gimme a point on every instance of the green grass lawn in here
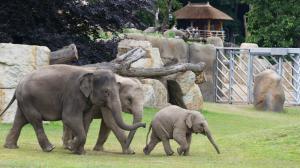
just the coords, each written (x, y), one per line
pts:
(246, 138)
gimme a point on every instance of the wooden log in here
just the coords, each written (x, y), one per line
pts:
(121, 66)
(149, 72)
(65, 55)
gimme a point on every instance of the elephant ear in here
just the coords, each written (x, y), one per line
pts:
(85, 83)
(189, 120)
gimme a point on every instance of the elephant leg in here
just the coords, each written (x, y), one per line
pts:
(180, 138)
(119, 133)
(35, 119)
(14, 133)
(77, 128)
(67, 136)
(102, 137)
(153, 142)
(167, 147)
(189, 140)
(87, 119)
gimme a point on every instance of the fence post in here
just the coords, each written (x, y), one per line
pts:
(231, 75)
(215, 78)
(279, 71)
(296, 73)
(250, 77)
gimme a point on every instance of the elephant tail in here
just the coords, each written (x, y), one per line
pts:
(9, 104)
(148, 133)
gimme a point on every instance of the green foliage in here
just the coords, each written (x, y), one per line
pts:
(167, 7)
(171, 34)
(246, 137)
(274, 23)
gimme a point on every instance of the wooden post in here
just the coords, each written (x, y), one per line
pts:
(221, 25)
(208, 29)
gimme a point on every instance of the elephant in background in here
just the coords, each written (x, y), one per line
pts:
(67, 93)
(132, 100)
(176, 123)
(268, 91)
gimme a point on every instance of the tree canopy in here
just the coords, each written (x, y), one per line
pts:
(274, 23)
(56, 23)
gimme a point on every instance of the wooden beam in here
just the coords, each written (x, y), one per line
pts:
(65, 55)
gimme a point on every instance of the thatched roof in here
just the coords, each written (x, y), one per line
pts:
(201, 11)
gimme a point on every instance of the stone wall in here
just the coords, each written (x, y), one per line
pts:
(15, 62)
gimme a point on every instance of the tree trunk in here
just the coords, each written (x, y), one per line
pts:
(121, 66)
(65, 55)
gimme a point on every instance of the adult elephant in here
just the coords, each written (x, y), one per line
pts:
(67, 93)
(132, 100)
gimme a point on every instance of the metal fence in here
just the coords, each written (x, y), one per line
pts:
(236, 68)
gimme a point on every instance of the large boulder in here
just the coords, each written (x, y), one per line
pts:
(184, 92)
(216, 41)
(18, 60)
(268, 91)
(171, 50)
(15, 62)
(155, 93)
(207, 54)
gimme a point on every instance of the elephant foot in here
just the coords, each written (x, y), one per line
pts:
(70, 145)
(79, 152)
(170, 153)
(181, 151)
(10, 146)
(146, 151)
(186, 154)
(98, 148)
(48, 148)
(66, 145)
(128, 151)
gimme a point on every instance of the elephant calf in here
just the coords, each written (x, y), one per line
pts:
(176, 123)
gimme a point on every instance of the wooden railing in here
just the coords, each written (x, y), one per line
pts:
(200, 35)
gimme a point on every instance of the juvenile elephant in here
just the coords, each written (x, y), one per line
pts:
(176, 123)
(131, 96)
(67, 93)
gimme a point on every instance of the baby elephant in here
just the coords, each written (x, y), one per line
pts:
(176, 123)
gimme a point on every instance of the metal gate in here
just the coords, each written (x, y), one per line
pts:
(236, 68)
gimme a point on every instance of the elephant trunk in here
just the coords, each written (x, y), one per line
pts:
(208, 134)
(116, 112)
(136, 119)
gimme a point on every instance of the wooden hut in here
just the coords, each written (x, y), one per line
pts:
(201, 20)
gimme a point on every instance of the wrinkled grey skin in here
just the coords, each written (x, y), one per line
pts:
(131, 97)
(176, 123)
(67, 93)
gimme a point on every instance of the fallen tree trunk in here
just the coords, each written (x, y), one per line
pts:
(65, 55)
(121, 66)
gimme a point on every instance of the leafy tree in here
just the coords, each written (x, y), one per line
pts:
(166, 8)
(274, 23)
(56, 23)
